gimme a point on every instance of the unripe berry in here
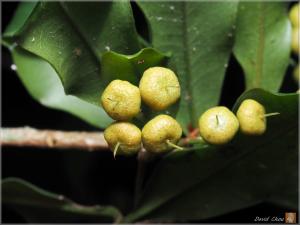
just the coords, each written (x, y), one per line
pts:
(121, 100)
(251, 116)
(218, 125)
(294, 15)
(161, 134)
(159, 88)
(295, 40)
(123, 138)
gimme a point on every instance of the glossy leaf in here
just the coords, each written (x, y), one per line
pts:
(199, 36)
(49, 46)
(64, 35)
(212, 181)
(130, 67)
(21, 15)
(38, 206)
(43, 84)
(262, 43)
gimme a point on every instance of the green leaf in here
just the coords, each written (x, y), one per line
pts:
(262, 43)
(199, 36)
(72, 37)
(38, 206)
(211, 181)
(43, 84)
(36, 56)
(20, 16)
(130, 67)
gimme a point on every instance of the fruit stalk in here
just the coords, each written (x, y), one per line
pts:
(271, 114)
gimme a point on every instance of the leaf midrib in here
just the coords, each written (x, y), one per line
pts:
(261, 46)
(186, 59)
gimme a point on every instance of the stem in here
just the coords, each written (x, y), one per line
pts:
(143, 159)
(271, 114)
(139, 181)
(217, 118)
(54, 139)
(174, 146)
(116, 149)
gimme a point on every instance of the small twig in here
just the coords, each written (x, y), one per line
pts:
(30, 137)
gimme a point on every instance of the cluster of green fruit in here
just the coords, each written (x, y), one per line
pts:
(294, 18)
(159, 88)
(219, 125)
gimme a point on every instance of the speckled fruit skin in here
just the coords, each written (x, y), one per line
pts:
(294, 15)
(127, 134)
(218, 125)
(159, 88)
(295, 40)
(251, 116)
(121, 100)
(157, 131)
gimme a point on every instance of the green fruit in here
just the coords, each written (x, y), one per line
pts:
(159, 88)
(251, 116)
(123, 138)
(161, 134)
(295, 40)
(121, 100)
(218, 125)
(294, 15)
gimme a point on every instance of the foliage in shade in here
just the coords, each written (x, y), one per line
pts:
(262, 43)
(38, 205)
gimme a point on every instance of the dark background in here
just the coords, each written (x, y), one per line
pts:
(88, 178)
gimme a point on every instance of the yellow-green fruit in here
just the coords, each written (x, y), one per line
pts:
(296, 73)
(159, 132)
(121, 100)
(218, 125)
(295, 40)
(159, 88)
(251, 116)
(294, 15)
(127, 136)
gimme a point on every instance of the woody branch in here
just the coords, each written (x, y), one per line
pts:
(30, 137)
